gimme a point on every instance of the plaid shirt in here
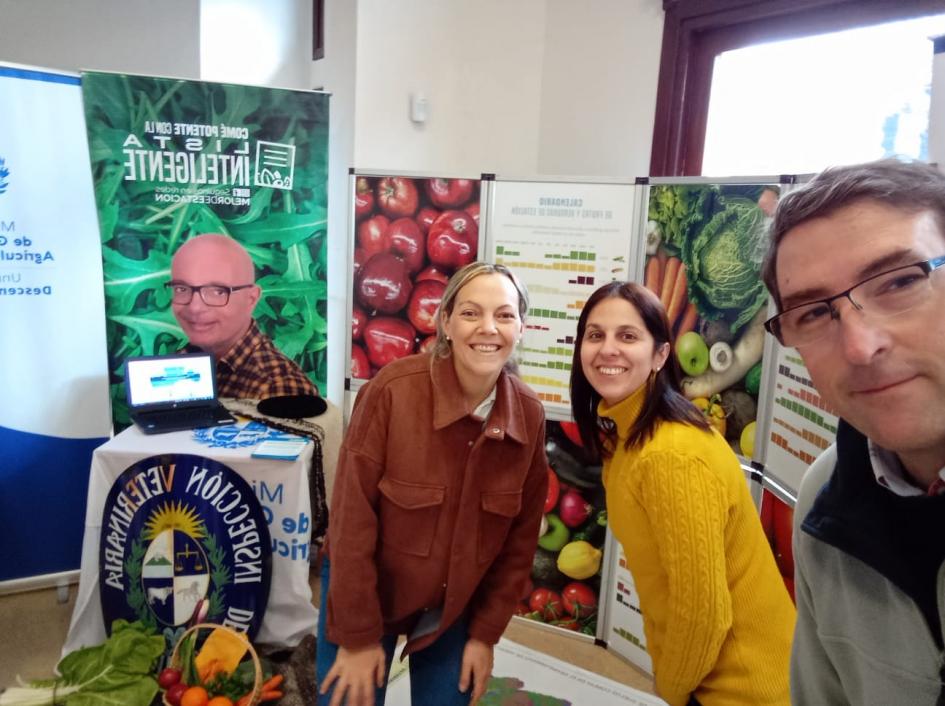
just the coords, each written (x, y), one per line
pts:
(254, 368)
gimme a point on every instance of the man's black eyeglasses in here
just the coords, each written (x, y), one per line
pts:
(891, 292)
(211, 294)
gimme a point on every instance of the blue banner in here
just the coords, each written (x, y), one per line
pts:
(53, 376)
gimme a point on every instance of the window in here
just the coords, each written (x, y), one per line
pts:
(697, 31)
(801, 105)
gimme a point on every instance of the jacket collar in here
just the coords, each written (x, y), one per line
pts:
(449, 405)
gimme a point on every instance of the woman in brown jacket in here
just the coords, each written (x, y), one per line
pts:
(436, 508)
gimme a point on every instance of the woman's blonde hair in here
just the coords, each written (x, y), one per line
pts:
(459, 280)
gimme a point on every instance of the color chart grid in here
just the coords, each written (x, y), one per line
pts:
(802, 424)
(559, 278)
(563, 240)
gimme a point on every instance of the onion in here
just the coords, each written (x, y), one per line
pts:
(574, 509)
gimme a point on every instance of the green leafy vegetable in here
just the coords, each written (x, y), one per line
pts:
(723, 262)
(680, 210)
(117, 672)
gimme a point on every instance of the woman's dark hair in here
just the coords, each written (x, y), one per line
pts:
(664, 401)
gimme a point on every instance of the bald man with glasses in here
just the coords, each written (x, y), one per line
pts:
(213, 294)
(855, 268)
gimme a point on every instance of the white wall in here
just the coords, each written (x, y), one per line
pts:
(478, 64)
(131, 36)
(335, 73)
(937, 110)
(599, 82)
(252, 42)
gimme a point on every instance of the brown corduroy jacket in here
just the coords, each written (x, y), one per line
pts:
(432, 509)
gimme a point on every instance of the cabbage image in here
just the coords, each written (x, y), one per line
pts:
(680, 210)
(723, 262)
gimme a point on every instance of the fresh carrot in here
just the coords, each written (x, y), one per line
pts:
(274, 682)
(688, 321)
(270, 695)
(653, 271)
(678, 296)
(669, 279)
(245, 700)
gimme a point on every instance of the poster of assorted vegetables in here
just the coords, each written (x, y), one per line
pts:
(410, 235)
(705, 244)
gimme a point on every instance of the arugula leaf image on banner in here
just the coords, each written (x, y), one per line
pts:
(145, 214)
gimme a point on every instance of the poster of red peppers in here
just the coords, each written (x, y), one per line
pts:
(411, 234)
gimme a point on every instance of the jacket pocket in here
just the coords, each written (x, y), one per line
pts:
(408, 515)
(495, 519)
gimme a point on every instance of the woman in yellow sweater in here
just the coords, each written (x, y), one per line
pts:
(717, 617)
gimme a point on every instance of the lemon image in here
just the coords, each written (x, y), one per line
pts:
(747, 440)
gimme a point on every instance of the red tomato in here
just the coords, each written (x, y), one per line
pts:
(363, 198)
(360, 367)
(358, 319)
(453, 239)
(570, 430)
(388, 338)
(449, 193)
(767, 515)
(425, 218)
(168, 677)
(397, 196)
(783, 553)
(473, 210)
(407, 242)
(383, 284)
(434, 273)
(175, 692)
(554, 489)
(567, 624)
(546, 602)
(372, 235)
(579, 600)
(424, 301)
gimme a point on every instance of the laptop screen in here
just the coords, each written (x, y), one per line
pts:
(169, 380)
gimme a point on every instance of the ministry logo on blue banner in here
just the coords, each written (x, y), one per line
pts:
(184, 540)
(4, 173)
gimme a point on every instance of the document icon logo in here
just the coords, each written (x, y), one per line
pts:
(275, 164)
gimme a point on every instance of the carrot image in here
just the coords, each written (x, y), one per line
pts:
(653, 271)
(688, 321)
(669, 279)
(677, 297)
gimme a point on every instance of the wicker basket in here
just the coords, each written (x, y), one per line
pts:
(176, 664)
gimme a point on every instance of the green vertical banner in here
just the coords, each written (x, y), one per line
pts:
(172, 159)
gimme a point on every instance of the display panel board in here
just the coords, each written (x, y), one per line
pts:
(705, 243)
(801, 423)
(623, 619)
(564, 240)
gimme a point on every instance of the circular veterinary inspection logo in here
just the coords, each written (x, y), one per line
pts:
(184, 539)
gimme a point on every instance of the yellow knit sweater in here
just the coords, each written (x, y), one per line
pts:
(717, 617)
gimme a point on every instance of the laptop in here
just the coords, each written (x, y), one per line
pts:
(173, 392)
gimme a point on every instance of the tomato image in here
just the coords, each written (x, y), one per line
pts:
(410, 236)
(579, 600)
(449, 193)
(546, 602)
(397, 196)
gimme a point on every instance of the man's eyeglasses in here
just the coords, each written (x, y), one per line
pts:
(211, 294)
(888, 293)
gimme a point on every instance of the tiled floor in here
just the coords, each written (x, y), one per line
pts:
(33, 627)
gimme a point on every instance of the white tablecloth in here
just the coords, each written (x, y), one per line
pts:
(282, 488)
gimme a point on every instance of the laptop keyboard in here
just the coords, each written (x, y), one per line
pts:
(181, 419)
